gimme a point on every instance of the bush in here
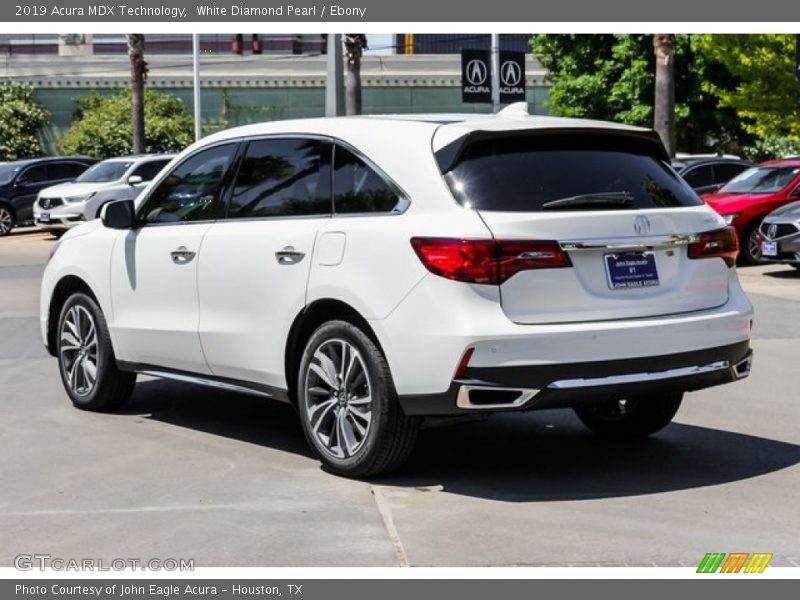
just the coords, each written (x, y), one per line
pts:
(773, 147)
(21, 118)
(104, 129)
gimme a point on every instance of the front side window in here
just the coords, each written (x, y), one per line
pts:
(281, 177)
(191, 192)
(357, 188)
(37, 174)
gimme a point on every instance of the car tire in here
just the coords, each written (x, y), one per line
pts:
(749, 252)
(631, 418)
(7, 220)
(348, 405)
(86, 359)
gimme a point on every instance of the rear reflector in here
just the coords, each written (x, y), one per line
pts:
(721, 243)
(487, 261)
(463, 363)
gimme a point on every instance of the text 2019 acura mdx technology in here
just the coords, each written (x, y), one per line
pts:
(376, 270)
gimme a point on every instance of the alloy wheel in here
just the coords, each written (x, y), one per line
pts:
(338, 398)
(78, 350)
(753, 247)
(6, 221)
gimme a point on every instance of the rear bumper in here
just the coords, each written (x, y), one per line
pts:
(531, 387)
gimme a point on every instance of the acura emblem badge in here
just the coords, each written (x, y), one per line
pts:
(641, 225)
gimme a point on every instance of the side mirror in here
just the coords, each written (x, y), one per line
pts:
(135, 179)
(795, 193)
(118, 214)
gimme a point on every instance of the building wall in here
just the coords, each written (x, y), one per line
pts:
(228, 107)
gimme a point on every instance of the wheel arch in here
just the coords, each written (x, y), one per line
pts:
(66, 286)
(306, 322)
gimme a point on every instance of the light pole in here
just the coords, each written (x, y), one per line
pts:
(198, 124)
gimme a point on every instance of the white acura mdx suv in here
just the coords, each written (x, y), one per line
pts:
(376, 270)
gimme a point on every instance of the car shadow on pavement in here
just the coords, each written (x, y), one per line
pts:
(790, 273)
(549, 456)
(236, 416)
(523, 457)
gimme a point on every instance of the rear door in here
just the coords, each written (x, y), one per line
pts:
(255, 262)
(623, 216)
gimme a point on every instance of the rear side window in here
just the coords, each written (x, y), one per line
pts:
(699, 176)
(65, 170)
(280, 178)
(597, 172)
(726, 171)
(358, 188)
(147, 171)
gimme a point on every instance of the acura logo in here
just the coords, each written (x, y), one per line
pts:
(773, 229)
(511, 73)
(476, 72)
(641, 225)
(46, 203)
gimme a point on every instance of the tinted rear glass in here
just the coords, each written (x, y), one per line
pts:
(522, 174)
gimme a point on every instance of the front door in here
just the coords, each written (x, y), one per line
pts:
(154, 267)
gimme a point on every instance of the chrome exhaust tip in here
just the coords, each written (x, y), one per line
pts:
(742, 369)
(475, 397)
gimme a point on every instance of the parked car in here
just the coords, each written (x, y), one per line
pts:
(22, 180)
(707, 174)
(68, 204)
(780, 235)
(745, 200)
(375, 270)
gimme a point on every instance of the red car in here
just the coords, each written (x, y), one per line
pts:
(750, 196)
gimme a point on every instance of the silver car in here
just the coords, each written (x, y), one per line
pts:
(62, 206)
(780, 235)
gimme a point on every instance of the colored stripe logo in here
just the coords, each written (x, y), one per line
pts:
(736, 562)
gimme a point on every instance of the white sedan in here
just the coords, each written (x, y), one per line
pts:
(66, 205)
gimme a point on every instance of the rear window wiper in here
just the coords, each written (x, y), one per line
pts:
(599, 198)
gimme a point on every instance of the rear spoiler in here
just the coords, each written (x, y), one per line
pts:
(448, 156)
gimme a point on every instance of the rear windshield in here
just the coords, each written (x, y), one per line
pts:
(569, 172)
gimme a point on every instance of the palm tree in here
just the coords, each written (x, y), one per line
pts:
(664, 110)
(138, 78)
(354, 45)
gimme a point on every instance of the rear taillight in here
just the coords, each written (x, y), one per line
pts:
(721, 243)
(487, 261)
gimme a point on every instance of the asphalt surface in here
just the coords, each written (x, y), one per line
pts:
(186, 472)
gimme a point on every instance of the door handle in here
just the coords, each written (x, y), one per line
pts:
(181, 255)
(289, 256)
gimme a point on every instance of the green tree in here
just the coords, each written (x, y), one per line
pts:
(103, 127)
(21, 119)
(766, 94)
(612, 77)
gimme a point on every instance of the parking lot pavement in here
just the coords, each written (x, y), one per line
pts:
(227, 480)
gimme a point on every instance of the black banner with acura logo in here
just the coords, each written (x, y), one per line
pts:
(476, 76)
